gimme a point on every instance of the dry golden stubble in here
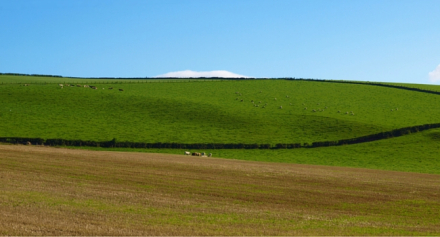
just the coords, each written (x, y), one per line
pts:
(54, 191)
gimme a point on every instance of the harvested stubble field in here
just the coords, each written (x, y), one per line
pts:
(417, 152)
(55, 191)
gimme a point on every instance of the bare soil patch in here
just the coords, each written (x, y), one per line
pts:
(55, 191)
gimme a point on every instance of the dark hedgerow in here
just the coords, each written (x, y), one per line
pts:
(127, 144)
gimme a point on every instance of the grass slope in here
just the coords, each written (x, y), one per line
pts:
(48, 191)
(200, 112)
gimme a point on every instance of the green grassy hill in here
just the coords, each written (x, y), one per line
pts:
(198, 112)
(155, 193)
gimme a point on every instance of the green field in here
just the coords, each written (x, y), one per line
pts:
(195, 112)
(212, 112)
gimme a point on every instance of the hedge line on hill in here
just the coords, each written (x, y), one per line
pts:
(367, 83)
(378, 136)
(113, 143)
(29, 75)
(120, 78)
(387, 85)
(238, 79)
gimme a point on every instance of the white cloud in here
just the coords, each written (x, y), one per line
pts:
(434, 76)
(189, 73)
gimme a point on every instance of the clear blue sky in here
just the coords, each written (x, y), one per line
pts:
(394, 41)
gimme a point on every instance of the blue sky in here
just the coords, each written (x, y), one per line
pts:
(391, 41)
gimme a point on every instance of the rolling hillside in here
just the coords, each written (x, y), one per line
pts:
(198, 112)
(304, 191)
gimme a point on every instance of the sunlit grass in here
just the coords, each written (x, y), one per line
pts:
(205, 112)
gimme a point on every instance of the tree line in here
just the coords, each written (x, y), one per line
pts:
(127, 144)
